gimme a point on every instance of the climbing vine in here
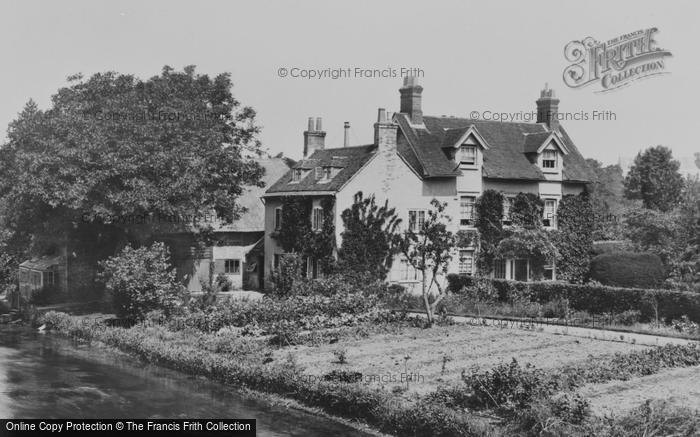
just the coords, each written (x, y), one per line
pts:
(297, 236)
(489, 211)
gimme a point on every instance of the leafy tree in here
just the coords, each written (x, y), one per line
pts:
(428, 250)
(654, 178)
(489, 223)
(607, 199)
(574, 239)
(653, 231)
(142, 280)
(369, 239)
(686, 268)
(527, 210)
(113, 148)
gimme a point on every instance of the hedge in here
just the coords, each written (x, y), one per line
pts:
(595, 299)
(628, 269)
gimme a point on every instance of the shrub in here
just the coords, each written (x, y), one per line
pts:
(653, 418)
(223, 283)
(142, 280)
(506, 387)
(628, 269)
(600, 299)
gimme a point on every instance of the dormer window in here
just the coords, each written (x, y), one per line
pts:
(327, 173)
(296, 175)
(467, 154)
(549, 159)
(318, 173)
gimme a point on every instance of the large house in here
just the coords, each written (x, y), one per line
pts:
(415, 158)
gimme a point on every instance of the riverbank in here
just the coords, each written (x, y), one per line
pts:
(343, 388)
(51, 376)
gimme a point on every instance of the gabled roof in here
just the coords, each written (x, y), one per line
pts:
(349, 160)
(535, 143)
(505, 157)
(253, 220)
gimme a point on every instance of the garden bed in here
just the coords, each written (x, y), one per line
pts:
(438, 355)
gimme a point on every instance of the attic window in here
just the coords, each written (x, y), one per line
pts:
(296, 175)
(327, 173)
(467, 155)
(318, 173)
(549, 159)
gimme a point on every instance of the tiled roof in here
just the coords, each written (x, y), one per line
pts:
(504, 159)
(532, 142)
(253, 220)
(351, 158)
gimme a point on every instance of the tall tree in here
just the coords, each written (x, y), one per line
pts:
(427, 249)
(114, 155)
(369, 239)
(654, 178)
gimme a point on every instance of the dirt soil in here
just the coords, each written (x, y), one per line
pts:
(679, 387)
(381, 358)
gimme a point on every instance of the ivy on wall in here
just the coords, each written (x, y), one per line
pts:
(297, 236)
(489, 211)
(527, 210)
(574, 239)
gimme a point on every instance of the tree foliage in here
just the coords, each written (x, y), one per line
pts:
(369, 238)
(142, 280)
(574, 239)
(428, 250)
(607, 199)
(113, 147)
(489, 223)
(654, 178)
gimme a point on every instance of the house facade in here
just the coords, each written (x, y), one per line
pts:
(237, 250)
(416, 158)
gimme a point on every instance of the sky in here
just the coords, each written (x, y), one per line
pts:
(480, 56)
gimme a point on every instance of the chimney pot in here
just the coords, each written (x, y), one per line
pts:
(548, 108)
(314, 137)
(381, 115)
(346, 137)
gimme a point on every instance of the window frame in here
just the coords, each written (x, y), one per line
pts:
(460, 262)
(553, 160)
(297, 174)
(317, 219)
(549, 222)
(462, 154)
(470, 220)
(232, 266)
(417, 224)
(278, 218)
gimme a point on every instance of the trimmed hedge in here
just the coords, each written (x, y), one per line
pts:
(628, 269)
(595, 299)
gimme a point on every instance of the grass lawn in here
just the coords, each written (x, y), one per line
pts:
(439, 354)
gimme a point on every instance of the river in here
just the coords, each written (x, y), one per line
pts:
(44, 376)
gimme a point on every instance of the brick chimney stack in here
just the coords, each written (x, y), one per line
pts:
(314, 137)
(548, 108)
(385, 132)
(411, 99)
